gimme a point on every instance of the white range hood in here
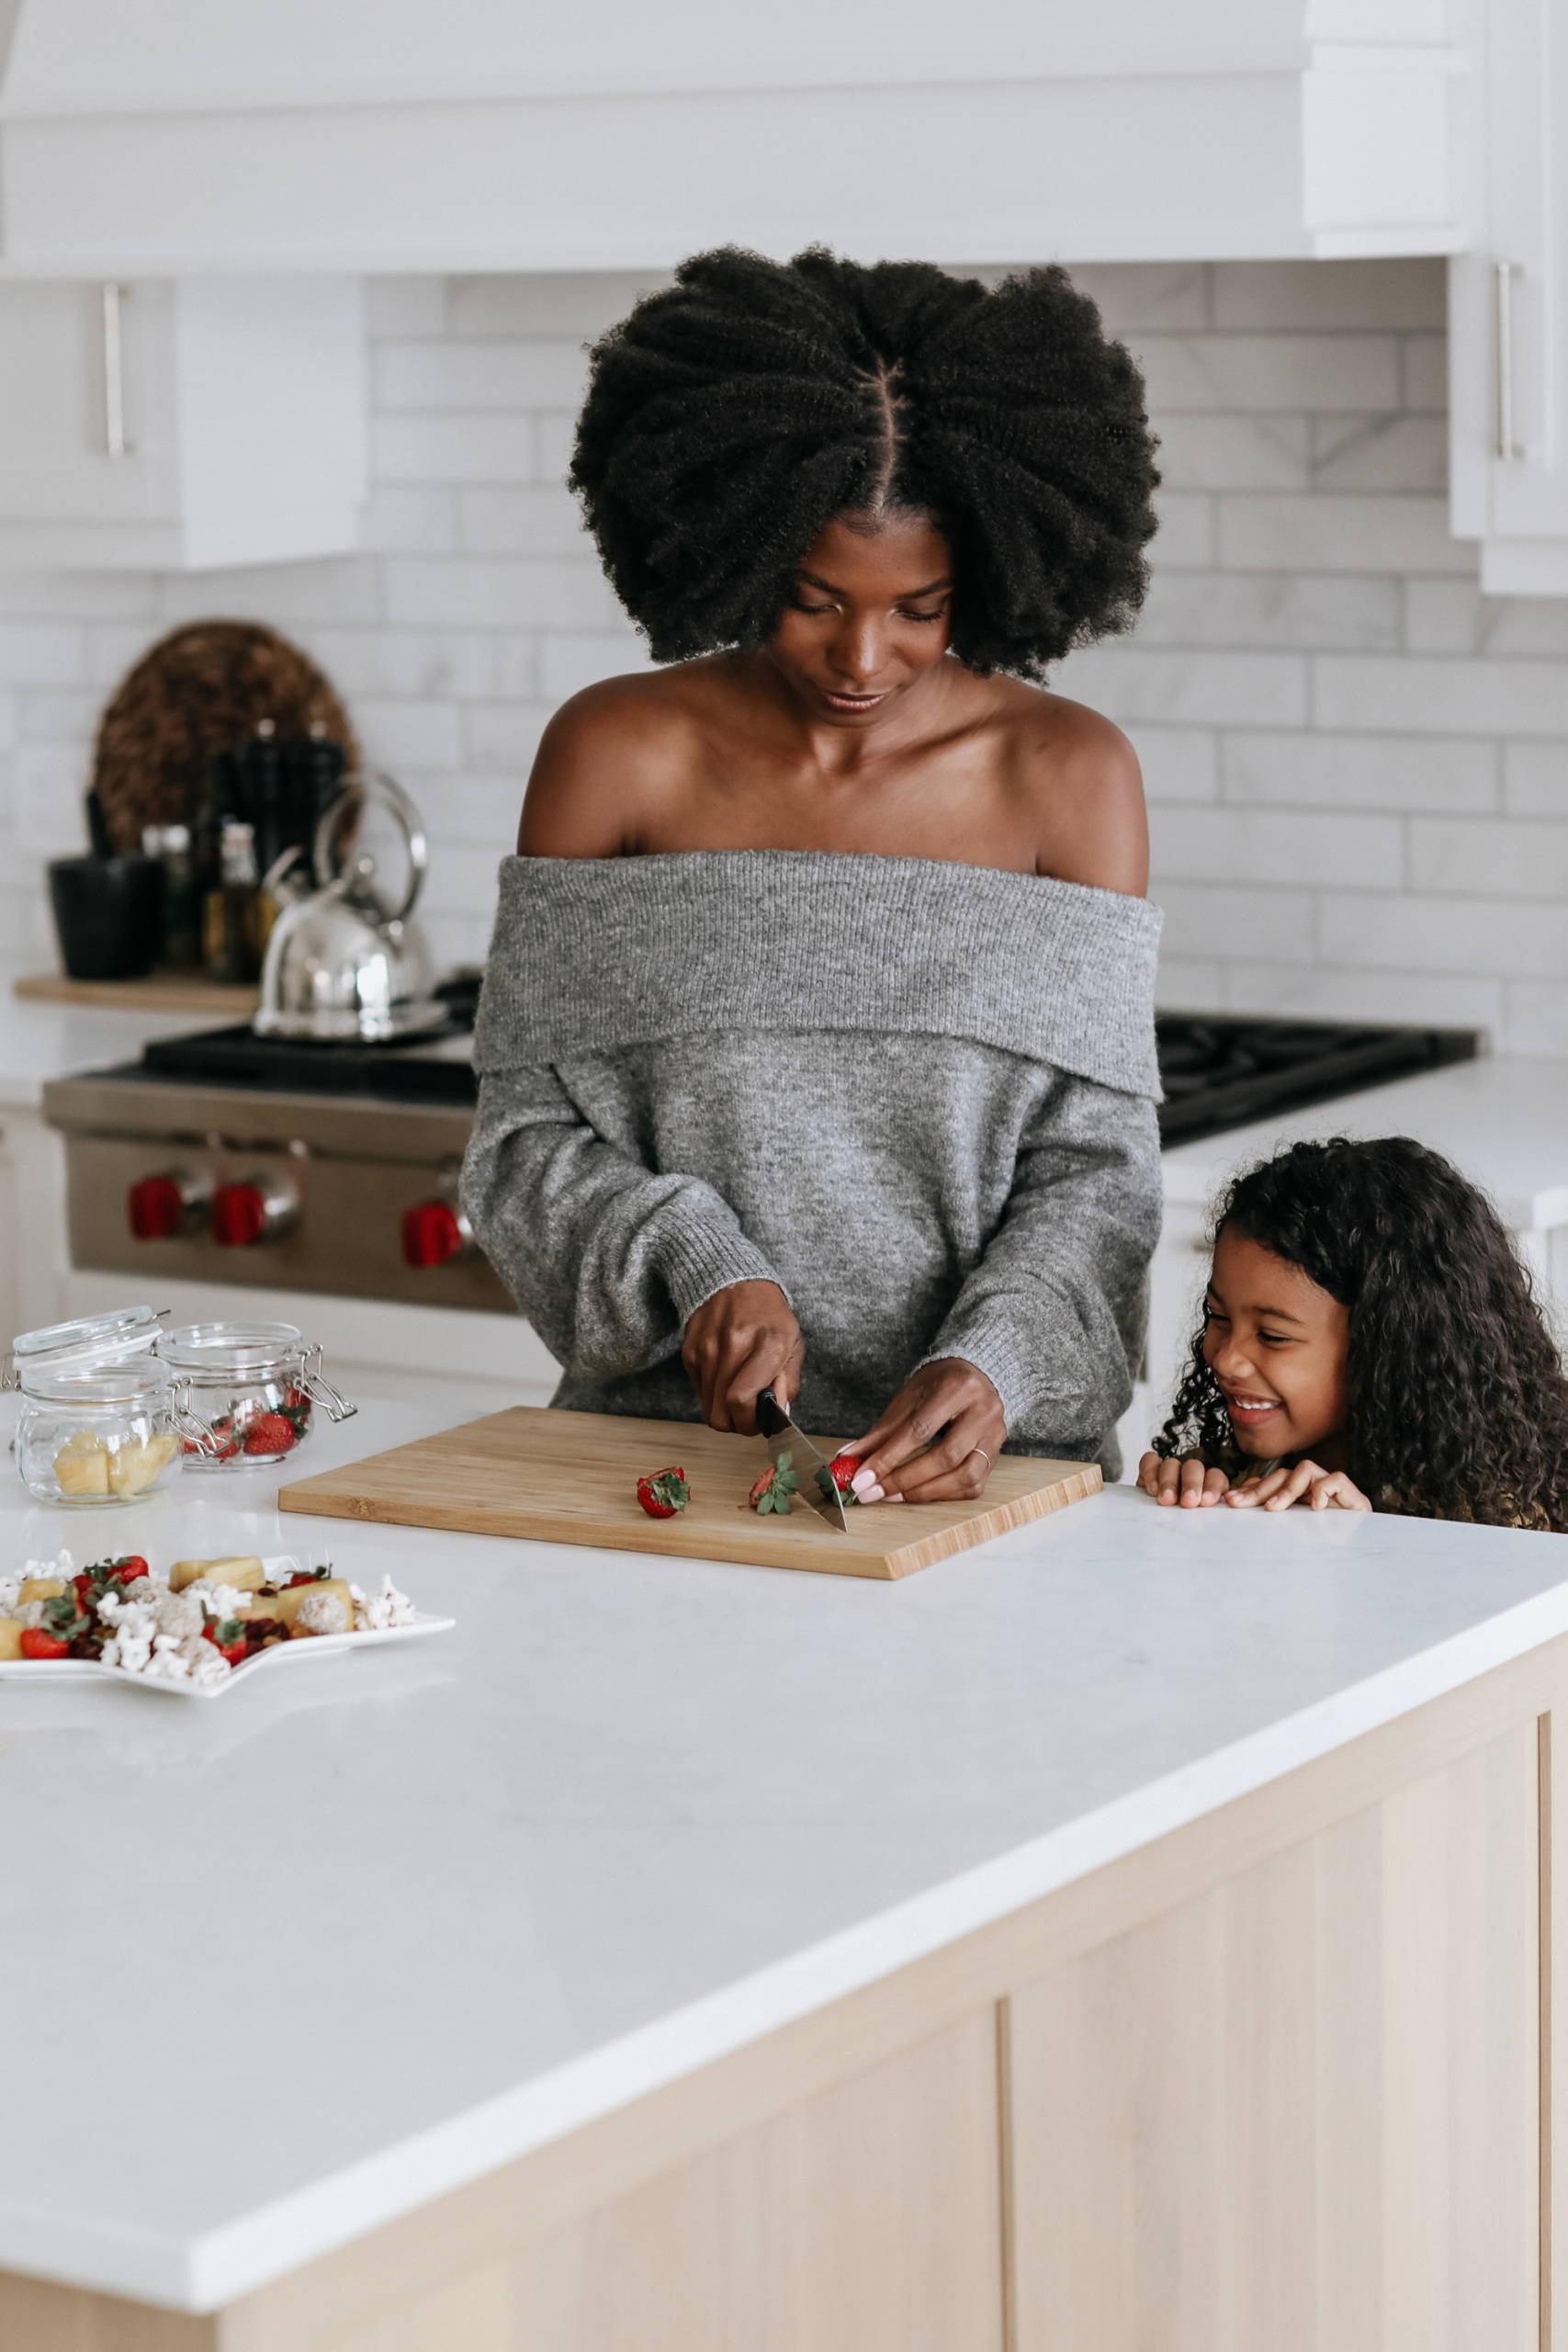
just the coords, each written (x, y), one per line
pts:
(168, 137)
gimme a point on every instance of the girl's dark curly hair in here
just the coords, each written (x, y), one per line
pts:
(731, 416)
(1458, 1407)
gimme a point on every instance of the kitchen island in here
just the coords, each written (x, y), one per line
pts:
(1142, 1931)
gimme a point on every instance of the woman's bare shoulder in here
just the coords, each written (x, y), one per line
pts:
(606, 756)
(1084, 788)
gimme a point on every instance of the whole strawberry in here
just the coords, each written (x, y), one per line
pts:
(774, 1487)
(269, 1434)
(664, 1494)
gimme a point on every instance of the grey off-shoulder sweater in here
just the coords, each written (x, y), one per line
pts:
(917, 1096)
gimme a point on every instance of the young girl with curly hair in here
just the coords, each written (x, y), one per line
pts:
(1370, 1342)
(817, 1045)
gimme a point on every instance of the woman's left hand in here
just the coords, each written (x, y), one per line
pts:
(1323, 1489)
(937, 1441)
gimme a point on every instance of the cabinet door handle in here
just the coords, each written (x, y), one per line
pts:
(1507, 271)
(115, 442)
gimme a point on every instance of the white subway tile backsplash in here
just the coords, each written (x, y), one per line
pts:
(502, 737)
(1424, 383)
(1339, 531)
(1185, 540)
(1379, 453)
(1436, 773)
(1309, 610)
(441, 378)
(43, 653)
(1283, 372)
(1242, 919)
(569, 662)
(1415, 695)
(541, 519)
(453, 448)
(579, 306)
(1343, 993)
(1235, 452)
(1523, 858)
(1264, 846)
(1279, 297)
(1535, 780)
(406, 306)
(1179, 764)
(1172, 296)
(1357, 766)
(404, 734)
(1130, 683)
(1460, 935)
(497, 593)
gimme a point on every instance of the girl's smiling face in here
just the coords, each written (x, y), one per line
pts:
(1278, 1345)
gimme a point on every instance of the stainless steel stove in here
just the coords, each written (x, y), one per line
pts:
(225, 1157)
(230, 1158)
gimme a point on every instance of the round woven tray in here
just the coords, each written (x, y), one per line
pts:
(202, 689)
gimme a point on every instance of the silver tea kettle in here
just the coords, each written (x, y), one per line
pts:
(341, 962)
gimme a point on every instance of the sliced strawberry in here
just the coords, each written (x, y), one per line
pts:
(228, 1638)
(127, 1570)
(270, 1433)
(773, 1491)
(838, 1474)
(36, 1642)
(663, 1494)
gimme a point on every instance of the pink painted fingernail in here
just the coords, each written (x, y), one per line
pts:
(872, 1494)
(863, 1481)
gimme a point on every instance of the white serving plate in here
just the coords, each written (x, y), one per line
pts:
(43, 1671)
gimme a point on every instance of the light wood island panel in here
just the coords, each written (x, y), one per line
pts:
(1282, 2078)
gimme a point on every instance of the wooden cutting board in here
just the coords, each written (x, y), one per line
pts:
(571, 1478)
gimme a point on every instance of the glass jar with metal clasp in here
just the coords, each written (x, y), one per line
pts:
(245, 1393)
(98, 1419)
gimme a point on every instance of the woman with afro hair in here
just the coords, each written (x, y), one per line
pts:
(817, 1045)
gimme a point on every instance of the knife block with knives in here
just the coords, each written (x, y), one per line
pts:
(556, 1477)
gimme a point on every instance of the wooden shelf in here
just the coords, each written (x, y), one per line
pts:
(164, 992)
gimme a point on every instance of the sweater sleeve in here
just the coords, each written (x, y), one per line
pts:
(607, 1259)
(1055, 1312)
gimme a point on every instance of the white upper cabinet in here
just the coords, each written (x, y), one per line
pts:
(159, 137)
(212, 421)
(1509, 306)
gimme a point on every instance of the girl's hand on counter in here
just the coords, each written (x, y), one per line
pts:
(937, 1441)
(1322, 1489)
(1187, 1483)
(739, 1342)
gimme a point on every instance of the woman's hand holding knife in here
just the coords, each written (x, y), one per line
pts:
(739, 1342)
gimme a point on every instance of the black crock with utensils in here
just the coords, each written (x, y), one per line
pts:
(108, 909)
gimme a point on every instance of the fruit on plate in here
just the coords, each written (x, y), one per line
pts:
(11, 1631)
(663, 1494)
(140, 1463)
(838, 1474)
(37, 1642)
(774, 1487)
(42, 1588)
(245, 1572)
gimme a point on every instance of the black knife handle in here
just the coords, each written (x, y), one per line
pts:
(771, 1418)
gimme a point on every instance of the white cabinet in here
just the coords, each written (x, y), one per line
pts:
(181, 422)
(1508, 304)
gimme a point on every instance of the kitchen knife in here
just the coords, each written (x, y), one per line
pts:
(784, 1439)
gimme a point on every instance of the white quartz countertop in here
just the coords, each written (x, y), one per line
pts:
(284, 1965)
(39, 1041)
(1502, 1121)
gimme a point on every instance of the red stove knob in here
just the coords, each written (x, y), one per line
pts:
(259, 1209)
(157, 1209)
(168, 1204)
(433, 1232)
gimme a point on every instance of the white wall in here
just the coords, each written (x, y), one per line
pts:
(1358, 767)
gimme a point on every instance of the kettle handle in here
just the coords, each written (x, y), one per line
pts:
(357, 787)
